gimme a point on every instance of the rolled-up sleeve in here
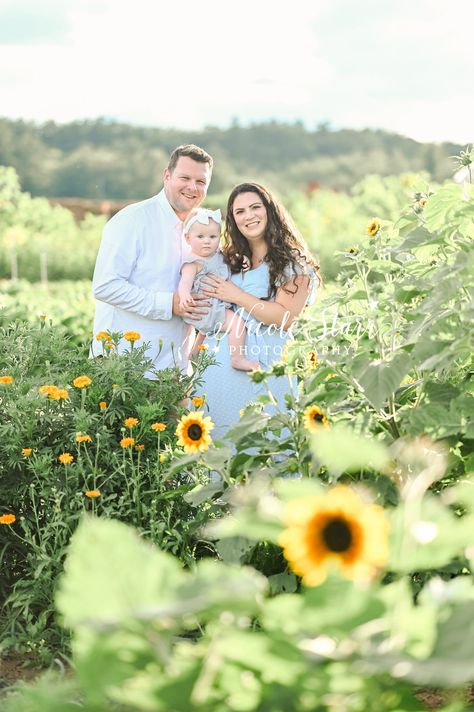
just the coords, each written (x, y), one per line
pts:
(116, 261)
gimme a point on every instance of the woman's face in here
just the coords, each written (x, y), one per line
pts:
(250, 216)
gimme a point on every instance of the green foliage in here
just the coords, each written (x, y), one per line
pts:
(48, 497)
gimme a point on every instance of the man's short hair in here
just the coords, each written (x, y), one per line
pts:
(191, 151)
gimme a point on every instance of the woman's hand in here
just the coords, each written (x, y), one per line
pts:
(223, 289)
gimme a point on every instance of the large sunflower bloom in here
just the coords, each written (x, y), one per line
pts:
(314, 418)
(193, 432)
(336, 529)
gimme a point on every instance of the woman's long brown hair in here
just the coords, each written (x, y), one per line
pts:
(286, 247)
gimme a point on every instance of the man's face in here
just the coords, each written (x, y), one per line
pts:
(187, 185)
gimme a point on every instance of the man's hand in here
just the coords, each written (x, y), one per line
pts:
(195, 311)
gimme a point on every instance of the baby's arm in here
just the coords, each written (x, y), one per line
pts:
(188, 273)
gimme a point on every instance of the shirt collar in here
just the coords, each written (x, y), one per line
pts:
(168, 210)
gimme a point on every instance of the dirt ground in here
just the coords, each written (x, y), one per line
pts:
(15, 667)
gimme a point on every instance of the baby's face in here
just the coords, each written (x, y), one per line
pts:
(204, 239)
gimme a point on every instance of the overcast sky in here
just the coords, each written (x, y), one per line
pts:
(402, 65)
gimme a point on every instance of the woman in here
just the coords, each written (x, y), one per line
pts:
(273, 278)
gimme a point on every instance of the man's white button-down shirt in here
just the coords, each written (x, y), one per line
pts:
(136, 273)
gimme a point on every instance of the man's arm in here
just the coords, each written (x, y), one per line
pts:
(117, 256)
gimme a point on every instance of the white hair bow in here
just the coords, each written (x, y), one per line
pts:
(203, 215)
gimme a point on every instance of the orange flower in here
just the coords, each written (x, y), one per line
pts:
(27, 451)
(92, 493)
(132, 336)
(203, 347)
(102, 405)
(80, 438)
(158, 427)
(130, 422)
(82, 382)
(53, 392)
(7, 380)
(127, 442)
(103, 336)
(139, 447)
(7, 519)
(198, 401)
(65, 458)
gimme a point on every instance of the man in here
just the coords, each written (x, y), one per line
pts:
(138, 264)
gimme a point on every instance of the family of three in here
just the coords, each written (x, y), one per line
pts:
(162, 271)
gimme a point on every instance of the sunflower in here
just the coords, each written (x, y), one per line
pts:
(130, 422)
(336, 529)
(193, 432)
(373, 227)
(82, 382)
(314, 418)
(132, 336)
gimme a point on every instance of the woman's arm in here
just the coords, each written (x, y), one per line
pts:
(281, 312)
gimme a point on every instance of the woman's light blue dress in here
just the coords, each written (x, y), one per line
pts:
(228, 390)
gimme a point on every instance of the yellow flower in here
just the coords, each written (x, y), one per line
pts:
(132, 336)
(130, 422)
(27, 451)
(423, 201)
(7, 519)
(193, 432)
(373, 227)
(47, 389)
(103, 336)
(80, 438)
(140, 447)
(42, 316)
(115, 385)
(330, 375)
(203, 347)
(162, 457)
(314, 418)
(92, 493)
(336, 529)
(102, 405)
(109, 345)
(127, 442)
(65, 458)
(312, 359)
(198, 401)
(241, 412)
(82, 382)
(6, 379)
(61, 393)
(158, 427)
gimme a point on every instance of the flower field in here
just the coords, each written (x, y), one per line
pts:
(320, 559)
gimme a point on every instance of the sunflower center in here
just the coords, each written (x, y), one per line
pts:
(318, 416)
(194, 432)
(337, 535)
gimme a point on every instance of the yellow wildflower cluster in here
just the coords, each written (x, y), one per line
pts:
(158, 427)
(132, 336)
(127, 442)
(82, 382)
(53, 392)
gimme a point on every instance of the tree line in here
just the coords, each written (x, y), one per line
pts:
(103, 159)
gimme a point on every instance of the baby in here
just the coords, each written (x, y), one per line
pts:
(202, 232)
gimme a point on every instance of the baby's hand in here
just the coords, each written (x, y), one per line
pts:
(245, 263)
(186, 301)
